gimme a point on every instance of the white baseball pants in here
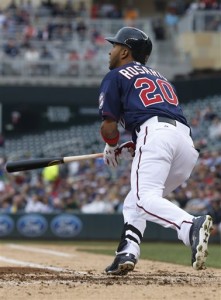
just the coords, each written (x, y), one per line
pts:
(164, 159)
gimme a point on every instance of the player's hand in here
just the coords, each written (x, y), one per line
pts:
(126, 150)
(111, 158)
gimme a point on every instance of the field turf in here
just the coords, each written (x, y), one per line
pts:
(165, 252)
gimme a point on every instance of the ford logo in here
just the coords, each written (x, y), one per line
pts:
(6, 225)
(32, 225)
(66, 226)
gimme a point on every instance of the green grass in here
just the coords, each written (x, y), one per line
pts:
(176, 253)
(165, 252)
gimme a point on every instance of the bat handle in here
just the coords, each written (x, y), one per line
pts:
(68, 159)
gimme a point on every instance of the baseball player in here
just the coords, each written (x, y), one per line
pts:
(145, 103)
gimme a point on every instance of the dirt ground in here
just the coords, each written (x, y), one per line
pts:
(60, 272)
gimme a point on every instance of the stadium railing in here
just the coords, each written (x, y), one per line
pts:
(18, 70)
(169, 56)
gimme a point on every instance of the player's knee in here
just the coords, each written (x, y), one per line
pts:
(147, 201)
(149, 196)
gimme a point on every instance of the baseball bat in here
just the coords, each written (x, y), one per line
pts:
(31, 164)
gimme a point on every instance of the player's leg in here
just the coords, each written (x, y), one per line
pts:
(180, 171)
(150, 170)
(147, 179)
(128, 250)
(162, 166)
(150, 177)
(195, 234)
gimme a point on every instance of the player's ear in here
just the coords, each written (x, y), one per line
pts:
(125, 52)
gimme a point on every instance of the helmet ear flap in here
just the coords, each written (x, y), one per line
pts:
(149, 46)
(141, 50)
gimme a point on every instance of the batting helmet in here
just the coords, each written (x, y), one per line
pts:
(135, 39)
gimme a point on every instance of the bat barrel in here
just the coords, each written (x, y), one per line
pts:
(24, 165)
(31, 164)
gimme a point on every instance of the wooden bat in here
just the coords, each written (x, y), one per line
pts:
(31, 164)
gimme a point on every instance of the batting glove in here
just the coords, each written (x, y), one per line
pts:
(126, 150)
(110, 156)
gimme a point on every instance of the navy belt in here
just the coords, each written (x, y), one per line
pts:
(170, 121)
(167, 120)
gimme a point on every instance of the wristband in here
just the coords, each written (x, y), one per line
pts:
(112, 141)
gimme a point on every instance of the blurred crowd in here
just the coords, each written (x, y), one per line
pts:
(56, 39)
(88, 187)
(206, 127)
(41, 36)
(55, 31)
(92, 187)
(166, 25)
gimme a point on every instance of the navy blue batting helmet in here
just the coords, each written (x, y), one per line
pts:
(135, 39)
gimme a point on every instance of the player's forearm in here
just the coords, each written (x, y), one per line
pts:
(109, 132)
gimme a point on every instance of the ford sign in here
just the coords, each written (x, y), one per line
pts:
(6, 225)
(32, 225)
(66, 226)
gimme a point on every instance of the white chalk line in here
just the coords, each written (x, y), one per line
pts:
(39, 250)
(32, 265)
(36, 265)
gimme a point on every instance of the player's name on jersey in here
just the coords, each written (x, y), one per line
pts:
(131, 71)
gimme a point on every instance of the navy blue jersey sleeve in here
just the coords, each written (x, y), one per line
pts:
(110, 98)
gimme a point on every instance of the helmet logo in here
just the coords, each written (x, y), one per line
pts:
(131, 39)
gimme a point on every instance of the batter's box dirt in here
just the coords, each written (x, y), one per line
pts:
(26, 275)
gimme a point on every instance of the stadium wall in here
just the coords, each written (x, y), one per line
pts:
(68, 226)
(188, 89)
(44, 108)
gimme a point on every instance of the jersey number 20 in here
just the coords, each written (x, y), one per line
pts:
(164, 86)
